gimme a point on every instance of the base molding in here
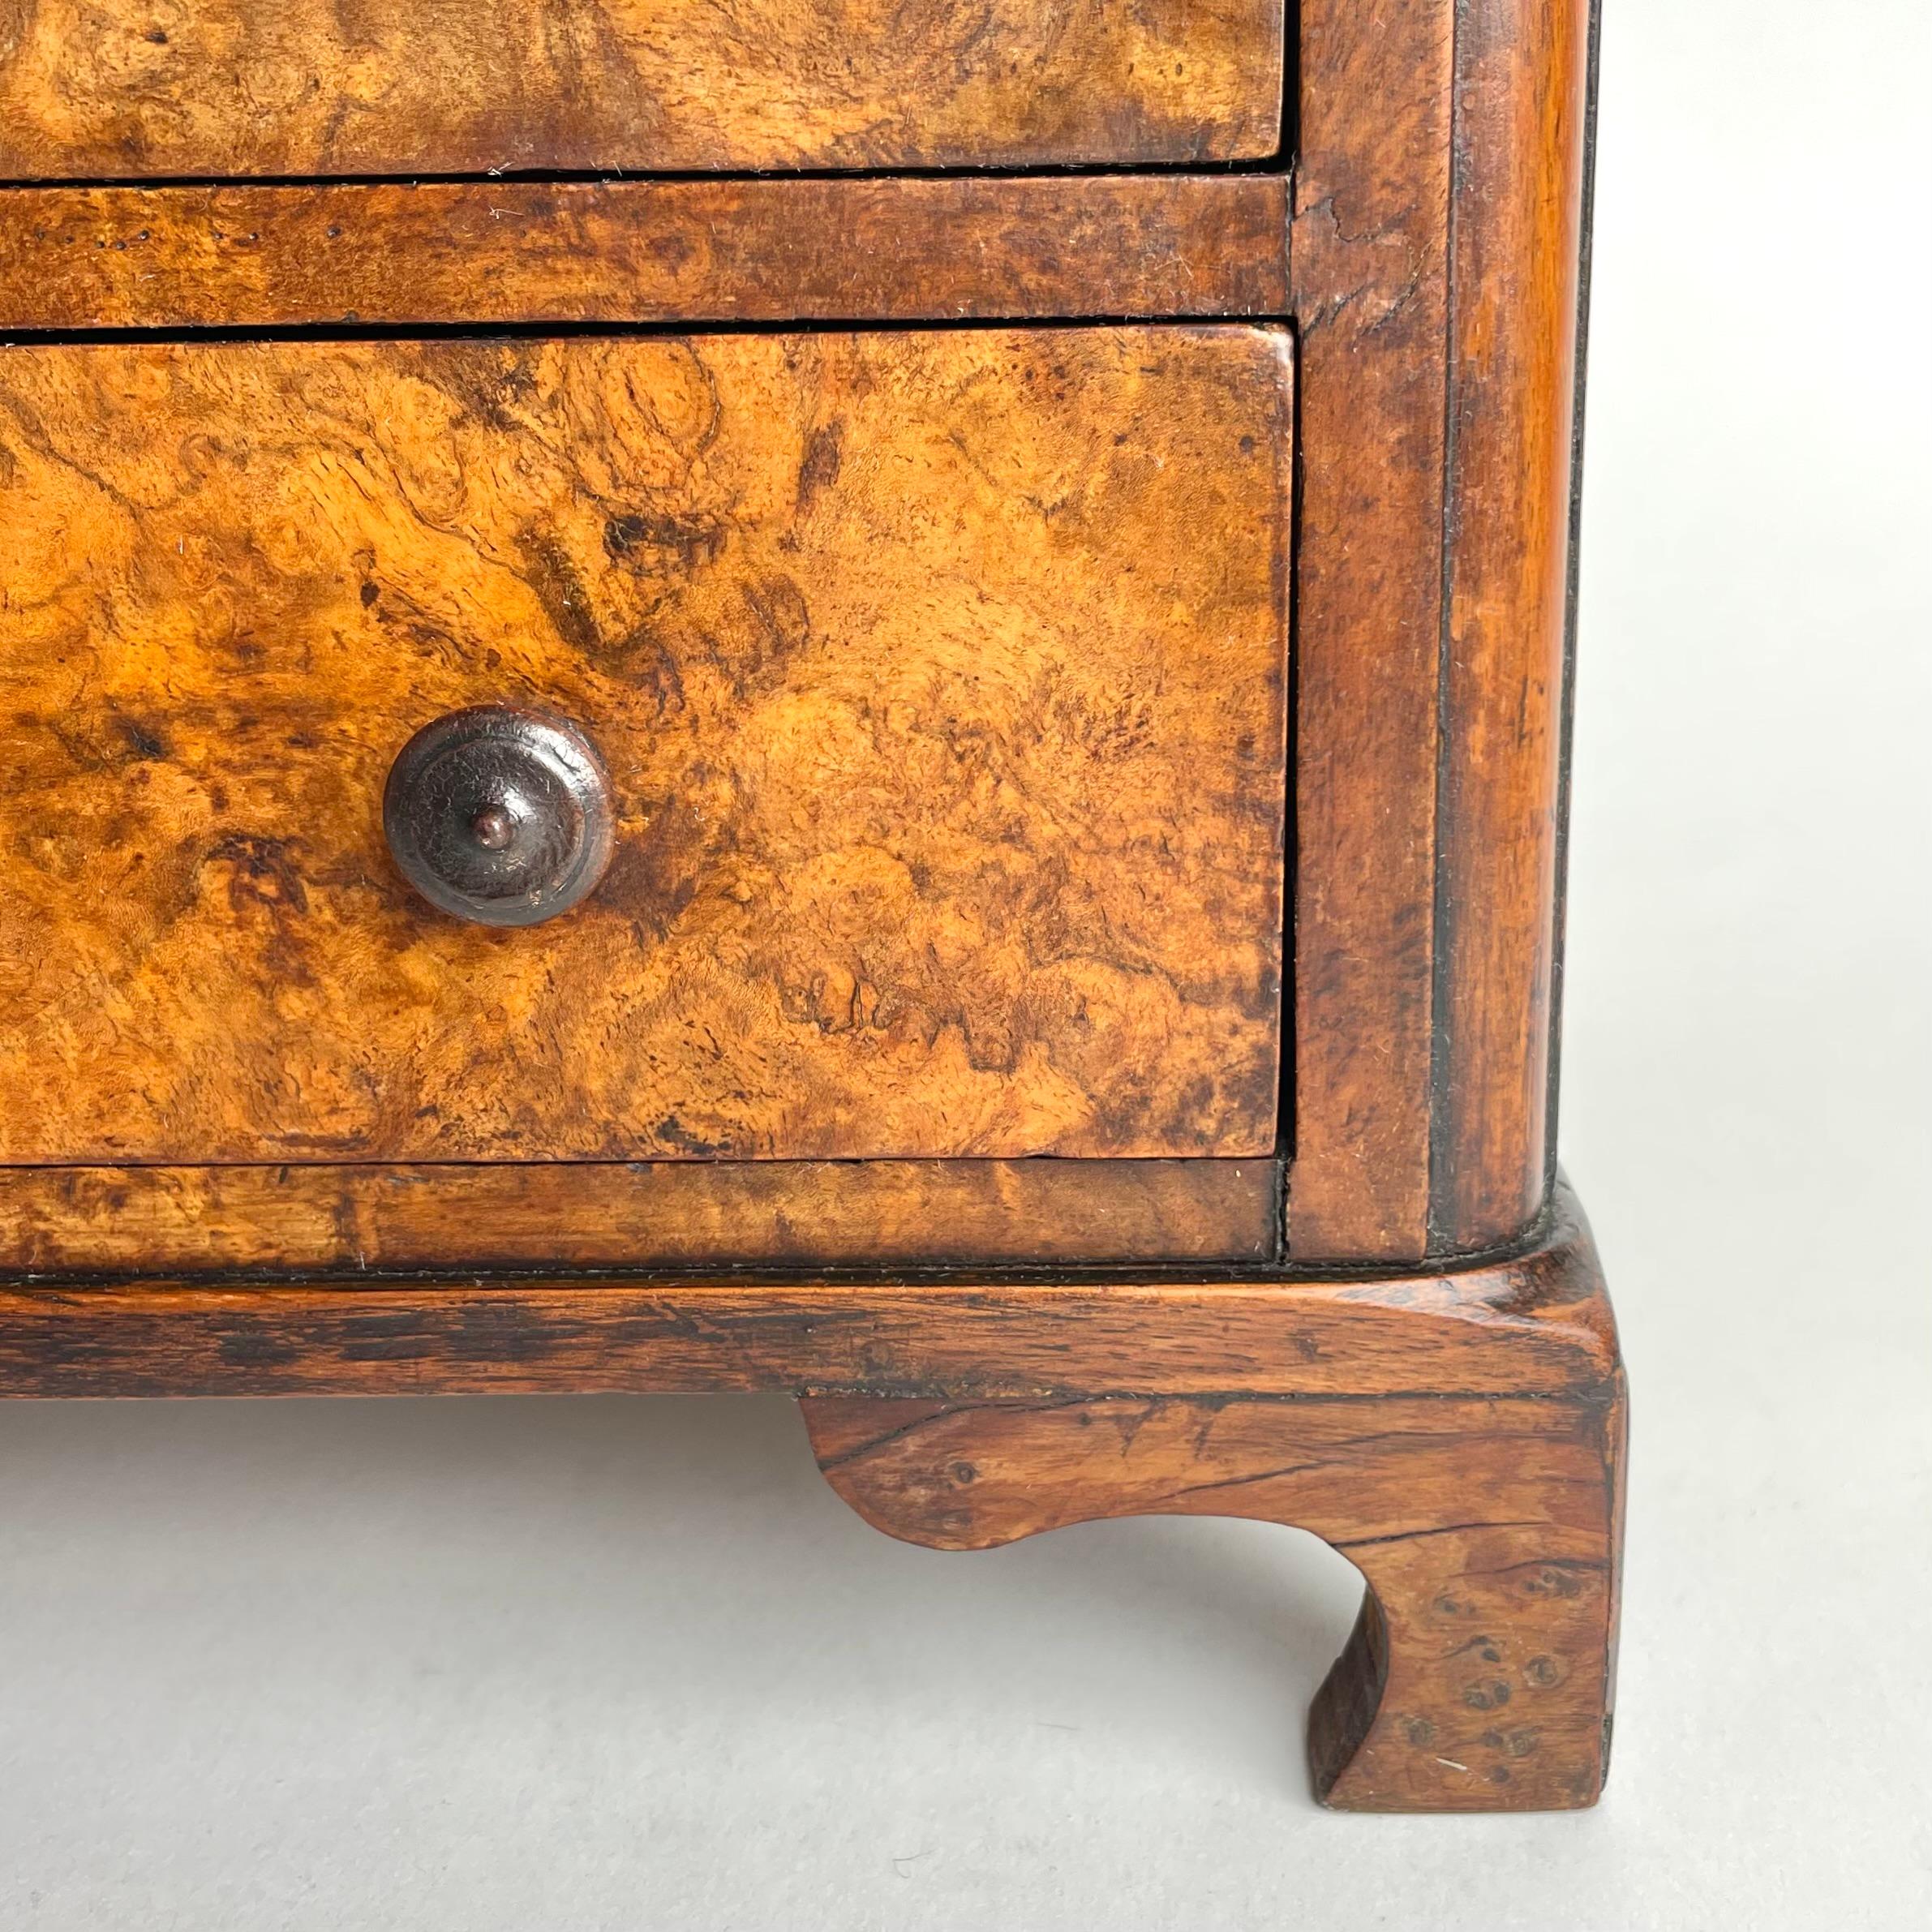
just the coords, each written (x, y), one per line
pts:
(1535, 1323)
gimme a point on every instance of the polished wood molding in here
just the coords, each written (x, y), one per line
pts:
(1536, 1324)
(1436, 251)
(530, 253)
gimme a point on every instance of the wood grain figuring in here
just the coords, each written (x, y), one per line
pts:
(1371, 272)
(995, 248)
(121, 89)
(1521, 114)
(1538, 1326)
(1479, 1678)
(940, 677)
(136, 1220)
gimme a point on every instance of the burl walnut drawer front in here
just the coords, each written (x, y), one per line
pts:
(224, 88)
(939, 677)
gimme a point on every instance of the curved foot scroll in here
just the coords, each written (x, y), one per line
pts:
(1480, 1675)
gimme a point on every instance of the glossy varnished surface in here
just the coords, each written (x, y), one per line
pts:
(112, 89)
(940, 678)
(1371, 273)
(782, 249)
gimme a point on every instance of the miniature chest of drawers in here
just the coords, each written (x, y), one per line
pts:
(850, 697)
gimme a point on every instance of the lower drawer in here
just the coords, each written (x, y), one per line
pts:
(939, 677)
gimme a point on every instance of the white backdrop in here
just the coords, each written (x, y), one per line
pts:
(580, 1663)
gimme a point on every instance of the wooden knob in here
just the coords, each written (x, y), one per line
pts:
(499, 815)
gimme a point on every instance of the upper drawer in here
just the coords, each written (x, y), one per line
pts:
(939, 677)
(114, 89)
